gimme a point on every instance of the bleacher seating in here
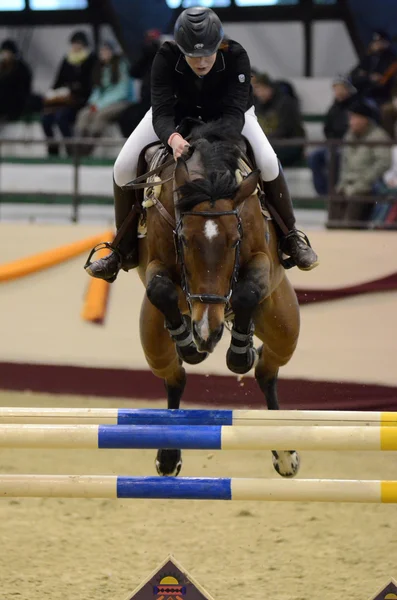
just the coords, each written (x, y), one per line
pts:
(21, 176)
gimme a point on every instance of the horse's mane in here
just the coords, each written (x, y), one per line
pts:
(219, 153)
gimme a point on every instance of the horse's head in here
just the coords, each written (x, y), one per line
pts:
(209, 233)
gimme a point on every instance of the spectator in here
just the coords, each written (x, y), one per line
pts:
(375, 74)
(362, 167)
(70, 92)
(111, 94)
(15, 82)
(389, 113)
(141, 69)
(279, 116)
(335, 127)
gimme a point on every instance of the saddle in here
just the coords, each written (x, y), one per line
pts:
(154, 157)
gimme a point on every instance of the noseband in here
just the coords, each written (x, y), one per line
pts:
(207, 298)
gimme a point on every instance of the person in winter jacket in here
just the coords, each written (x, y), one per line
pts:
(112, 93)
(376, 72)
(70, 91)
(335, 127)
(15, 82)
(362, 166)
(199, 75)
(279, 116)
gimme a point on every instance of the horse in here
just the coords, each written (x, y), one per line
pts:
(209, 253)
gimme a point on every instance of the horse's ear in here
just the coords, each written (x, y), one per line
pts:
(181, 173)
(247, 187)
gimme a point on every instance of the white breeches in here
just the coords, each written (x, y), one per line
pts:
(144, 134)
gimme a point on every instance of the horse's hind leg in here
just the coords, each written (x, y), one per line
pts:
(165, 363)
(286, 462)
(277, 324)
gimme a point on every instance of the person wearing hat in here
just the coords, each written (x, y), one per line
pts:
(70, 91)
(376, 73)
(362, 166)
(111, 94)
(335, 127)
(15, 82)
(279, 116)
(202, 76)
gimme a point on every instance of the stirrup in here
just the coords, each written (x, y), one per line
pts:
(102, 246)
(288, 262)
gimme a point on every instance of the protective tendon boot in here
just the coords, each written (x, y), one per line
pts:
(125, 255)
(294, 243)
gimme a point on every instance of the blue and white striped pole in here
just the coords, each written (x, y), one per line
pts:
(201, 437)
(109, 486)
(156, 416)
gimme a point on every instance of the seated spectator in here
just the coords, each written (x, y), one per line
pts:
(70, 92)
(279, 116)
(389, 114)
(15, 82)
(335, 127)
(111, 94)
(141, 69)
(375, 74)
(362, 166)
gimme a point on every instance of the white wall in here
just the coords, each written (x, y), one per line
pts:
(274, 48)
(333, 51)
(278, 48)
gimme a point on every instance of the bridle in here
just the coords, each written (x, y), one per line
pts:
(207, 298)
(177, 226)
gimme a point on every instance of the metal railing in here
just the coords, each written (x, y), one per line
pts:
(73, 145)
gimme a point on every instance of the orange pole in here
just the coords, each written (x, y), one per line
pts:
(49, 258)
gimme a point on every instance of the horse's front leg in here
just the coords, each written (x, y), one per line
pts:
(163, 294)
(250, 290)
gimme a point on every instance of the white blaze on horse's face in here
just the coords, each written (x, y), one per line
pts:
(210, 230)
(204, 326)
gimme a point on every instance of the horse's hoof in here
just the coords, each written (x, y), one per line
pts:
(241, 363)
(286, 462)
(168, 462)
(190, 355)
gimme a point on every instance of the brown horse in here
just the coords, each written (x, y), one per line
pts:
(209, 250)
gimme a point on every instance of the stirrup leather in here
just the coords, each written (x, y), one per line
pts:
(288, 262)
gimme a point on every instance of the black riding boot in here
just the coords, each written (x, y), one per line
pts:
(293, 242)
(125, 256)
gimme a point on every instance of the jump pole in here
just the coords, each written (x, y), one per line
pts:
(143, 416)
(201, 437)
(110, 486)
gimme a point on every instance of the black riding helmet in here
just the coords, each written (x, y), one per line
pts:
(198, 32)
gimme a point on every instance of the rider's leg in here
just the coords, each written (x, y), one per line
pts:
(277, 192)
(124, 171)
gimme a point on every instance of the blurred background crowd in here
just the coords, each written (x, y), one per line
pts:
(93, 89)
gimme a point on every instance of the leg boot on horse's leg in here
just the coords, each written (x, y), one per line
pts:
(285, 462)
(293, 243)
(125, 256)
(241, 355)
(162, 293)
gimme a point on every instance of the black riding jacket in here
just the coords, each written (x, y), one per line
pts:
(177, 92)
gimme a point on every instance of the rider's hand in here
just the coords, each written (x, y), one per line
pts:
(178, 144)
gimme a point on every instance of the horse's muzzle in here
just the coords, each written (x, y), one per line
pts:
(206, 341)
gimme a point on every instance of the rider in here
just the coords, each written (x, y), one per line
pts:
(203, 76)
